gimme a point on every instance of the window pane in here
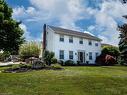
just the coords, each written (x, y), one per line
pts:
(70, 54)
(96, 44)
(97, 54)
(81, 41)
(61, 54)
(70, 39)
(61, 38)
(90, 42)
(90, 55)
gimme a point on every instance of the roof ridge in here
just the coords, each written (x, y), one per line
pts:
(73, 32)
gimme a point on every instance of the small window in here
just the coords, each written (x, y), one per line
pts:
(81, 41)
(61, 38)
(90, 56)
(61, 54)
(96, 54)
(70, 39)
(90, 43)
(96, 44)
(70, 54)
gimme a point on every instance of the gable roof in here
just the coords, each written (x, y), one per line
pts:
(63, 31)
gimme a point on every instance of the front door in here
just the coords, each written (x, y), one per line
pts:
(81, 57)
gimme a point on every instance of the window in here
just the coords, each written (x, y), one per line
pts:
(61, 38)
(81, 41)
(61, 54)
(96, 44)
(70, 54)
(96, 54)
(90, 43)
(70, 39)
(90, 55)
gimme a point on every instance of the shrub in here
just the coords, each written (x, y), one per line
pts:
(69, 63)
(25, 65)
(4, 55)
(56, 66)
(48, 56)
(111, 50)
(61, 62)
(30, 49)
(78, 62)
(105, 60)
(53, 60)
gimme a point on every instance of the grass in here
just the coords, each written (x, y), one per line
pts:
(105, 80)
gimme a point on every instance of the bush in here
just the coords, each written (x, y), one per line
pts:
(48, 56)
(78, 62)
(56, 66)
(61, 62)
(69, 63)
(4, 55)
(25, 65)
(30, 49)
(111, 50)
(53, 60)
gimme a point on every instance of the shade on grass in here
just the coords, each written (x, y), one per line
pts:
(110, 80)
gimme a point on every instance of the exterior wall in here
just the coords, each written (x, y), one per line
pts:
(50, 39)
(53, 44)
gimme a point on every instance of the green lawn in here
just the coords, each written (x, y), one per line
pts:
(110, 80)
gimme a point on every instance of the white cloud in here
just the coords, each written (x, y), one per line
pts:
(106, 19)
(27, 34)
(67, 12)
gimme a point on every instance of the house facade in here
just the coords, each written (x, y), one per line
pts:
(71, 45)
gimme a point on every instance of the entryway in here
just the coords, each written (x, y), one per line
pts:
(81, 56)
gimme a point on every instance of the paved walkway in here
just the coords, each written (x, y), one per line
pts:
(8, 63)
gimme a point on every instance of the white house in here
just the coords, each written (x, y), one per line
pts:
(71, 45)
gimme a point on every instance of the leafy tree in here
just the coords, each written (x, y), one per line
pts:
(123, 43)
(10, 32)
(30, 49)
(111, 50)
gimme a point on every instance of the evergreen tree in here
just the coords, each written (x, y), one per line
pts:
(123, 43)
(10, 32)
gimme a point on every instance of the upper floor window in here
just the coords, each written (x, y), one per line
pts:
(81, 41)
(61, 38)
(70, 54)
(96, 44)
(90, 43)
(90, 56)
(70, 39)
(61, 54)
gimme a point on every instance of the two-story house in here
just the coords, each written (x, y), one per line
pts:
(71, 45)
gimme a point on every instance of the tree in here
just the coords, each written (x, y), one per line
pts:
(10, 32)
(123, 43)
(111, 50)
(30, 49)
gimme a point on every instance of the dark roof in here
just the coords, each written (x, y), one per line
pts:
(59, 30)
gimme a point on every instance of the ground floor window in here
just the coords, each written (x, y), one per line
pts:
(70, 54)
(97, 54)
(90, 56)
(61, 54)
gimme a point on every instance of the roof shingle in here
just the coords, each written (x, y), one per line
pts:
(63, 31)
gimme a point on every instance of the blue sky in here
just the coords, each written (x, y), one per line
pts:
(99, 17)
